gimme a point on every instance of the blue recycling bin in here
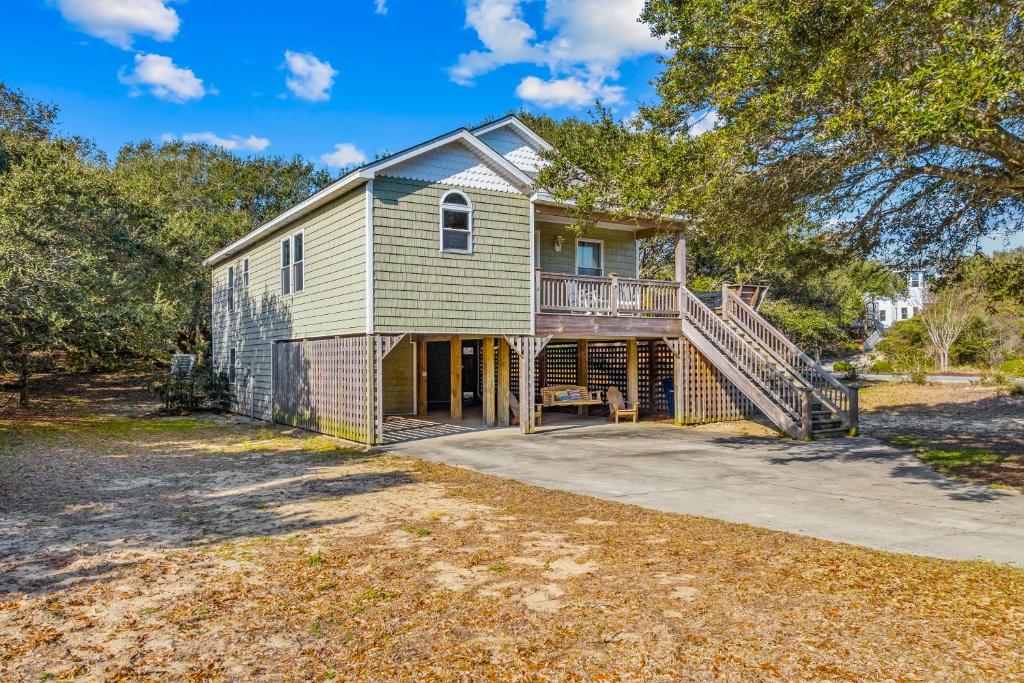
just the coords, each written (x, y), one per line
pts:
(669, 387)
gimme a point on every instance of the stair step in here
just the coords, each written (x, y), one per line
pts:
(831, 431)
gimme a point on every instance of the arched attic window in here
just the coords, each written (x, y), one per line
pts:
(456, 223)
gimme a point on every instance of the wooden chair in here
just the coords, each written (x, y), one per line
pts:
(617, 406)
(513, 405)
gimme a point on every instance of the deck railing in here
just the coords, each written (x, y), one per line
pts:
(786, 394)
(830, 391)
(615, 296)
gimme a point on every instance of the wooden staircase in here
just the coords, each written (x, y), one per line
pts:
(799, 396)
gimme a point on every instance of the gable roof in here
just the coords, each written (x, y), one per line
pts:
(512, 121)
(517, 177)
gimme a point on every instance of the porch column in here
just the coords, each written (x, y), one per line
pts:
(527, 382)
(487, 351)
(632, 373)
(421, 375)
(504, 381)
(582, 369)
(455, 395)
(680, 257)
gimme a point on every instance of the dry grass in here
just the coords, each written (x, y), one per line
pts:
(970, 431)
(228, 551)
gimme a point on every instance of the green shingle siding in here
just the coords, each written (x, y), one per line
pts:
(417, 287)
(333, 300)
(619, 249)
(397, 380)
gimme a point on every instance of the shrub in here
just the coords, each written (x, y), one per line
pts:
(905, 345)
(1013, 368)
(918, 377)
(1017, 389)
(881, 366)
(203, 389)
(849, 370)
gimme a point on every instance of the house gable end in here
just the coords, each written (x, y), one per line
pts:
(455, 164)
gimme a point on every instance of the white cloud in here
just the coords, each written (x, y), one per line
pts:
(501, 28)
(118, 21)
(703, 122)
(232, 143)
(567, 92)
(598, 33)
(586, 42)
(344, 154)
(381, 6)
(309, 79)
(163, 78)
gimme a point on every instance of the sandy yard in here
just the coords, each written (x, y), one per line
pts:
(980, 426)
(137, 548)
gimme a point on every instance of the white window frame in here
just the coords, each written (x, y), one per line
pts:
(576, 254)
(467, 209)
(231, 289)
(881, 315)
(245, 274)
(290, 239)
(916, 279)
(232, 361)
(302, 234)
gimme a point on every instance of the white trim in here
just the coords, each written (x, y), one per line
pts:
(636, 253)
(300, 209)
(576, 254)
(459, 208)
(514, 122)
(300, 231)
(367, 173)
(231, 289)
(533, 270)
(370, 301)
(604, 225)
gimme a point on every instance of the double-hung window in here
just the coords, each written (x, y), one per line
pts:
(291, 264)
(245, 274)
(232, 359)
(456, 223)
(915, 279)
(589, 257)
(231, 288)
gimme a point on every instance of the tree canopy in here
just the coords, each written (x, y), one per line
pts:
(887, 128)
(100, 260)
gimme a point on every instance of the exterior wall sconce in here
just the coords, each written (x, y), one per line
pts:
(559, 240)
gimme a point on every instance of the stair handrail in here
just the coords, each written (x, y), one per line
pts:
(783, 392)
(827, 389)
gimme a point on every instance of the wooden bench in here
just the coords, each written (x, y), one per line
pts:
(553, 396)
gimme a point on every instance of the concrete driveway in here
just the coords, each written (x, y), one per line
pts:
(853, 490)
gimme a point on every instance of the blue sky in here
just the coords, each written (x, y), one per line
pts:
(304, 78)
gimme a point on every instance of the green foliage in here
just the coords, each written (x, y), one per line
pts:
(809, 327)
(103, 261)
(203, 389)
(883, 367)
(905, 346)
(1014, 368)
(1017, 389)
(849, 370)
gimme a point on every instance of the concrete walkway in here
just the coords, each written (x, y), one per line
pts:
(853, 490)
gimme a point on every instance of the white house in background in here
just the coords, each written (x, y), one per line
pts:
(882, 313)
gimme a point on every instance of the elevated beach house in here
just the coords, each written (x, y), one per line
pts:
(441, 284)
